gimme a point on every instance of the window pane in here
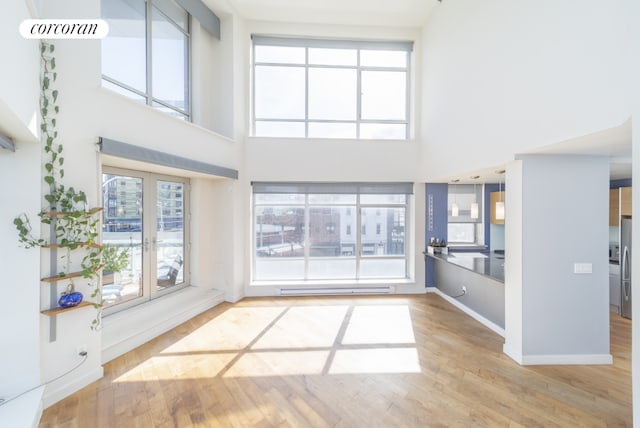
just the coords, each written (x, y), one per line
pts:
(279, 231)
(333, 199)
(271, 100)
(383, 199)
(122, 237)
(279, 268)
(170, 59)
(461, 233)
(464, 195)
(371, 58)
(279, 54)
(332, 130)
(383, 131)
(279, 198)
(170, 234)
(321, 56)
(328, 232)
(122, 91)
(343, 268)
(279, 129)
(383, 231)
(384, 95)
(382, 268)
(332, 94)
(124, 50)
(170, 111)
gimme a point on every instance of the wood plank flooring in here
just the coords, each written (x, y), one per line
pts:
(345, 362)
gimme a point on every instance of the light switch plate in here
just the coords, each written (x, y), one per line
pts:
(582, 268)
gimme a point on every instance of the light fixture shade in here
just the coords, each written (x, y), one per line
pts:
(475, 211)
(499, 210)
(454, 210)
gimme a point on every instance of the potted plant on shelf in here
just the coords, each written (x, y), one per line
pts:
(72, 224)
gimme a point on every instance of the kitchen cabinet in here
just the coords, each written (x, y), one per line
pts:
(625, 201)
(614, 207)
(614, 288)
(495, 197)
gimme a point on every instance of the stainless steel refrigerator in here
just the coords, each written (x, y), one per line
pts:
(625, 266)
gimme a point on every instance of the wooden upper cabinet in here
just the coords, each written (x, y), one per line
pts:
(495, 197)
(614, 207)
(625, 201)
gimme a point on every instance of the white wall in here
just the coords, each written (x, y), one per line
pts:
(504, 77)
(553, 224)
(86, 112)
(20, 186)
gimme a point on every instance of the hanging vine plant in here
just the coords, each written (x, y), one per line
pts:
(73, 224)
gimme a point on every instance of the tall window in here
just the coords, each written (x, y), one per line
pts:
(146, 54)
(464, 228)
(144, 235)
(303, 231)
(330, 88)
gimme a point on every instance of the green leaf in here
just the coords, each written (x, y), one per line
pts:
(61, 161)
(55, 95)
(48, 179)
(48, 166)
(60, 148)
(45, 83)
(53, 122)
(56, 109)
(51, 48)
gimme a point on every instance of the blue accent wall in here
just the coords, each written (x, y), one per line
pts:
(623, 182)
(436, 209)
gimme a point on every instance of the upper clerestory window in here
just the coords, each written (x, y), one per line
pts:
(146, 53)
(325, 88)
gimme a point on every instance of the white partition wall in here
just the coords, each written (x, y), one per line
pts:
(557, 271)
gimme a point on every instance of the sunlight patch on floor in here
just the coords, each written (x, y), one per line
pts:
(376, 360)
(233, 330)
(304, 327)
(279, 364)
(380, 324)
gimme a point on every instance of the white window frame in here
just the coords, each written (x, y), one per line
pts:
(147, 95)
(359, 45)
(149, 280)
(358, 254)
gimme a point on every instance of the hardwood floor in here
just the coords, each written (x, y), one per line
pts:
(345, 362)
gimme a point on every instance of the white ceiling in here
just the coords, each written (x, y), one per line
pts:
(393, 13)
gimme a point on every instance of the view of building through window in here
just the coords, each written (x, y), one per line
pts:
(309, 236)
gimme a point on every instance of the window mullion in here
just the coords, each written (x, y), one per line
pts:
(359, 94)
(149, 34)
(358, 251)
(306, 92)
(307, 233)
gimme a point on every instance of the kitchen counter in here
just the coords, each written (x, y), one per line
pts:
(473, 280)
(487, 264)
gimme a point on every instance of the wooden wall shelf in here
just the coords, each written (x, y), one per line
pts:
(59, 310)
(67, 276)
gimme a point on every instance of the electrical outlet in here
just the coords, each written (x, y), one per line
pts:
(81, 351)
(464, 289)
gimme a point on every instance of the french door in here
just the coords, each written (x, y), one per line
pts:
(144, 233)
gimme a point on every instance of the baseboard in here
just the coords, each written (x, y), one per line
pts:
(571, 359)
(513, 353)
(148, 321)
(52, 396)
(473, 314)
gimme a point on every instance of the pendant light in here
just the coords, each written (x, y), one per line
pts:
(475, 209)
(500, 203)
(455, 210)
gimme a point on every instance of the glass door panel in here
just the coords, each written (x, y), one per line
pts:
(122, 238)
(169, 239)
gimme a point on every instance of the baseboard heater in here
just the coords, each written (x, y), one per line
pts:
(334, 291)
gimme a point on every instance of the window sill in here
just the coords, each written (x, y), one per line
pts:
(325, 140)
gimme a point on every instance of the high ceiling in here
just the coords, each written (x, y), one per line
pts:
(394, 13)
